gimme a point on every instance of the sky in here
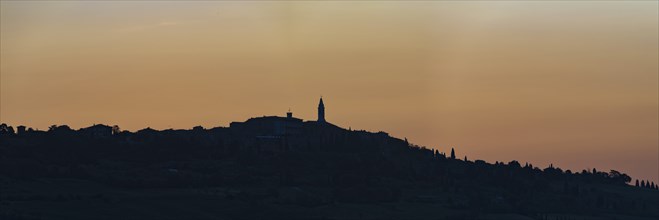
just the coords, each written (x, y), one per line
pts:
(573, 84)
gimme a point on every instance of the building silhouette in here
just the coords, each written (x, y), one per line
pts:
(321, 111)
(96, 131)
(21, 130)
(274, 134)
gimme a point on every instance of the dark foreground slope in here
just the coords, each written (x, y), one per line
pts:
(328, 173)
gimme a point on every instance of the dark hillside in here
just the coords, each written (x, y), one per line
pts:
(279, 168)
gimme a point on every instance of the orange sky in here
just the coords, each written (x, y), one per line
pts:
(569, 83)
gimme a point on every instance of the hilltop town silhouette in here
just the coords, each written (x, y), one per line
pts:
(274, 167)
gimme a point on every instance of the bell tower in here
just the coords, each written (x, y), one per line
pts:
(321, 111)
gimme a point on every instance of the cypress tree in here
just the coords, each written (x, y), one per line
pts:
(452, 154)
(637, 183)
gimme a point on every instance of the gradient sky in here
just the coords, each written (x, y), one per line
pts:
(569, 83)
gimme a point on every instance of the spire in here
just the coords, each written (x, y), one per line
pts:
(321, 110)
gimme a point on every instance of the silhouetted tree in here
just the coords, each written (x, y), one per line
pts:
(619, 178)
(643, 183)
(6, 129)
(452, 154)
(116, 130)
(514, 164)
(637, 185)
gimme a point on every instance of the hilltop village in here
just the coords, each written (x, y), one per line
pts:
(265, 135)
(276, 167)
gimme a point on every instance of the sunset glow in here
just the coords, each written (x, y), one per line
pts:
(574, 84)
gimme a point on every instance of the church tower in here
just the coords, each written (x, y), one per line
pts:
(321, 111)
